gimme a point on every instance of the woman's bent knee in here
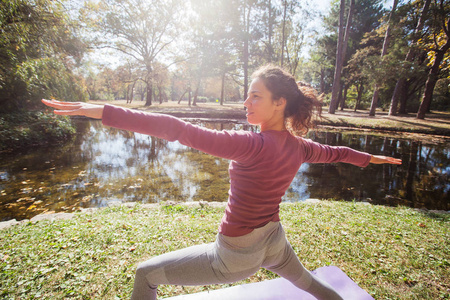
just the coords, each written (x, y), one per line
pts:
(150, 273)
(141, 270)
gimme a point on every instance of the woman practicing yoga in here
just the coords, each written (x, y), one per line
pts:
(261, 169)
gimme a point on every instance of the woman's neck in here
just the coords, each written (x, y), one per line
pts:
(275, 126)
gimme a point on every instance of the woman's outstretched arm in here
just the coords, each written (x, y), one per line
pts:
(75, 108)
(233, 145)
(319, 153)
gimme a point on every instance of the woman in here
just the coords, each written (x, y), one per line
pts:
(261, 169)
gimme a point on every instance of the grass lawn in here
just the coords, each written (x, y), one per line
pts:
(393, 253)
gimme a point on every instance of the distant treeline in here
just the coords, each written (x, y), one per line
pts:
(359, 54)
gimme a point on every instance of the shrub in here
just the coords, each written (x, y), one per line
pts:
(25, 129)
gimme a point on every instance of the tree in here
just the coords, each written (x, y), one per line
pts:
(340, 53)
(161, 81)
(383, 53)
(37, 41)
(226, 29)
(283, 30)
(269, 17)
(128, 76)
(400, 85)
(143, 30)
(366, 17)
(211, 51)
(246, 35)
(439, 46)
(230, 38)
(293, 30)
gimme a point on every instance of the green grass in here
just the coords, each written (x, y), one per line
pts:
(393, 253)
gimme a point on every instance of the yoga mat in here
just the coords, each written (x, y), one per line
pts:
(281, 289)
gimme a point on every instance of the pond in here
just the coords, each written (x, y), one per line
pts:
(103, 165)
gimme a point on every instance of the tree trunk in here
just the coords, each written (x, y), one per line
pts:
(358, 98)
(344, 98)
(347, 30)
(245, 68)
(181, 98)
(222, 89)
(340, 54)
(400, 86)
(374, 104)
(283, 35)
(189, 96)
(143, 94)
(339, 98)
(194, 102)
(148, 100)
(131, 92)
(433, 75)
(127, 94)
(245, 55)
(270, 46)
(403, 95)
(322, 80)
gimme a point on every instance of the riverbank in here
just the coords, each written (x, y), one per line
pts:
(436, 123)
(27, 129)
(393, 253)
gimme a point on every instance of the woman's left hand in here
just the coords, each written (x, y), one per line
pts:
(380, 159)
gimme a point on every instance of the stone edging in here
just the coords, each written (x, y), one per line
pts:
(68, 216)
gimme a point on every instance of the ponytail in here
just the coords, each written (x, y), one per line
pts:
(303, 105)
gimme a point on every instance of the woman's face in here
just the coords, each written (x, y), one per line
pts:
(261, 109)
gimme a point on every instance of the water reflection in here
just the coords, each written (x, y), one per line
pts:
(421, 181)
(103, 164)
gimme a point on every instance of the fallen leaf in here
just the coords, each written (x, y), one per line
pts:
(87, 198)
(25, 199)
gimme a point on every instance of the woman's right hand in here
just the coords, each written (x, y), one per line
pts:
(381, 159)
(75, 108)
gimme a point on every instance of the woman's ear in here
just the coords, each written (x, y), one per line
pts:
(280, 103)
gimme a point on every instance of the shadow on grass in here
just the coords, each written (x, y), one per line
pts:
(444, 216)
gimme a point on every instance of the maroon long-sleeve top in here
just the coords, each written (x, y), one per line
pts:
(262, 165)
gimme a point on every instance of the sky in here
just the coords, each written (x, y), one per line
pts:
(321, 5)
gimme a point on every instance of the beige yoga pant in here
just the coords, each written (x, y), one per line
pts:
(229, 259)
